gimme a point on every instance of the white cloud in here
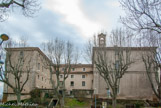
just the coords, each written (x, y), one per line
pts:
(113, 3)
(116, 7)
(73, 15)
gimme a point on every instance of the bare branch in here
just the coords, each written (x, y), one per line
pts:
(61, 55)
(29, 7)
(142, 15)
(15, 68)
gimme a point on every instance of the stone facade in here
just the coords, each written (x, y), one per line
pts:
(133, 85)
(81, 76)
(38, 77)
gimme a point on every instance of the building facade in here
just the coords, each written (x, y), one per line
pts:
(80, 77)
(134, 84)
(38, 76)
(84, 77)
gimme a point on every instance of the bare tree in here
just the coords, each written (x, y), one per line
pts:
(54, 50)
(112, 66)
(152, 61)
(76, 53)
(17, 67)
(29, 7)
(22, 42)
(113, 62)
(11, 43)
(68, 53)
(60, 54)
(88, 48)
(142, 15)
(121, 37)
(150, 39)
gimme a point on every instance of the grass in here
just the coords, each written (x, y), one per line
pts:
(72, 103)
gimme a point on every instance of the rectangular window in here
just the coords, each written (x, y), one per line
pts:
(38, 66)
(42, 78)
(72, 83)
(21, 54)
(38, 76)
(61, 83)
(62, 69)
(118, 90)
(84, 69)
(108, 93)
(61, 76)
(83, 76)
(72, 76)
(73, 69)
(83, 83)
(117, 64)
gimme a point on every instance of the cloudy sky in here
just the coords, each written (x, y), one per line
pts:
(74, 20)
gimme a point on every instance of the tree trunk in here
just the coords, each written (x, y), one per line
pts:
(18, 97)
(160, 101)
(63, 98)
(63, 93)
(114, 102)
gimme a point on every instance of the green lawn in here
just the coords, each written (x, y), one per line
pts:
(73, 103)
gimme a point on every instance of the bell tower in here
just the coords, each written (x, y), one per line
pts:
(102, 40)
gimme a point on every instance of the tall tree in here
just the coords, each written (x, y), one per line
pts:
(11, 43)
(142, 15)
(121, 37)
(17, 67)
(150, 39)
(112, 64)
(60, 55)
(152, 61)
(88, 48)
(28, 7)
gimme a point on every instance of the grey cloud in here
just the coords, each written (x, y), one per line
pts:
(46, 25)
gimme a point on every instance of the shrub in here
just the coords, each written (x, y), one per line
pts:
(11, 102)
(36, 96)
(48, 95)
(36, 93)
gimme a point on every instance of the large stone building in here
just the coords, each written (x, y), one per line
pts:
(38, 77)
(133, 85)
(81, 75)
